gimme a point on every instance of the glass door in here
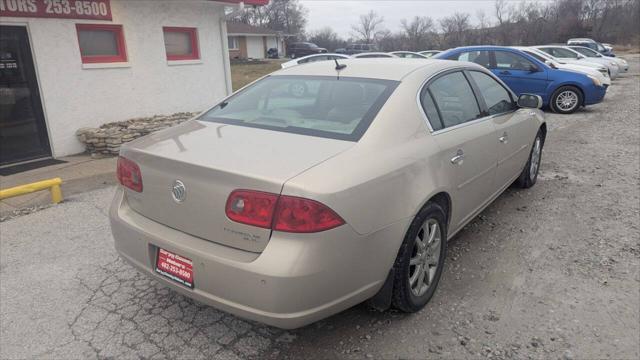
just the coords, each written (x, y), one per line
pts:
(23, 133)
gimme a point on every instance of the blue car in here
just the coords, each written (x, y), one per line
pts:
(564, 91)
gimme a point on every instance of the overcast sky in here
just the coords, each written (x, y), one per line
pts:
(339, 15)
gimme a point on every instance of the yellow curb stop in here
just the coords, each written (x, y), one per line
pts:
(52, 184)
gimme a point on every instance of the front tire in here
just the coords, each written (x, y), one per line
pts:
(420, 260)
(566, 100)
(529, 174)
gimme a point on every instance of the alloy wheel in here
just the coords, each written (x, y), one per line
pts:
(535, 158)
(567, 100)
(425, 257)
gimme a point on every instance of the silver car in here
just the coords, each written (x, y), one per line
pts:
(319, 187)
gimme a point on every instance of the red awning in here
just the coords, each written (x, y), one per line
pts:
(248, 2)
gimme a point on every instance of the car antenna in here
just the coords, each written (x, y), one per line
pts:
(339, 66)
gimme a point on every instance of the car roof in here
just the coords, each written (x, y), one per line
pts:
(382, 54)
(376, 68)
(582, 39)
(477, 48)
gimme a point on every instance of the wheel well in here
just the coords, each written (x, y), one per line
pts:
(543, 129)
(444, 201)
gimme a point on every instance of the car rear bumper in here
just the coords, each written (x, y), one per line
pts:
(296, 280)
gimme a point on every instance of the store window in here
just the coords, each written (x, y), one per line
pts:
(101, 43)
(181, 43)
(233, 43)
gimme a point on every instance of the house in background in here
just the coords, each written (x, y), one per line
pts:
(86, 63)
(252, 42)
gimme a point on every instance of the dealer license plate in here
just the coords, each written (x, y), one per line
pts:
(175, 267)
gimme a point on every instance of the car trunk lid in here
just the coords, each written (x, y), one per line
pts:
(212, 160)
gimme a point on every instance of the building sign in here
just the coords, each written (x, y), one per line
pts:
(65, 9)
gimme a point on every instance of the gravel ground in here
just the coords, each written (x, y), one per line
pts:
(550, 272)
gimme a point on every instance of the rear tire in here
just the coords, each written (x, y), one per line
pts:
(529, 174)
(566, 100)
(420, 260)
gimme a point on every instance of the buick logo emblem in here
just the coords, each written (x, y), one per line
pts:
(178, 191)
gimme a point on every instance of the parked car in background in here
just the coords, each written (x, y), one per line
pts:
(601, 73)
(301, 49)
(408, 55)
(286, 208)
(591, 44)
(590, 53)
(352, 49)
(562, 90)
(313, 58)
(429, 53)
(370, 55)
(569, 55)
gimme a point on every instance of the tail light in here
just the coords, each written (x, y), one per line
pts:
(280, 212)
(129, 174)
(251, 207)
(300, 215)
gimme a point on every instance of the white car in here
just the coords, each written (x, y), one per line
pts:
(601, 73)
(589, 53)
(429, 53)
(313, 58)
(571, 56)
(408, 55)
(370, 55)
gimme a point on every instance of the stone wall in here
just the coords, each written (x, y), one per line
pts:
(107, 138)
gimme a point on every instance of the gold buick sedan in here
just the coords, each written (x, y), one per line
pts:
(324, 185)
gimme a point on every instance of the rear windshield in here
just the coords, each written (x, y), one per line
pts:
(324, 106)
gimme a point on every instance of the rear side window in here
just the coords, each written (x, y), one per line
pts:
(453, 99)
(323, 106)
(478, 57)
(510, 61)
(496, 97)
(430, 109)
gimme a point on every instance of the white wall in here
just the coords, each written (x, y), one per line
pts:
(75, 96)
(255, 47)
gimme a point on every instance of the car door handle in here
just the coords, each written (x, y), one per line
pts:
(505, 72)
(459, 158)
(504, 138)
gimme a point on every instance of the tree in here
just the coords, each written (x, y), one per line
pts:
(500, 8)
(369, 27)
(288, 16)
(326, 38)
(482, 28)
(417, 32)
(455, 29)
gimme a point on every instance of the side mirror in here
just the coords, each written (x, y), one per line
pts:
(550, 64)
(530, 101)
(533, 68)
